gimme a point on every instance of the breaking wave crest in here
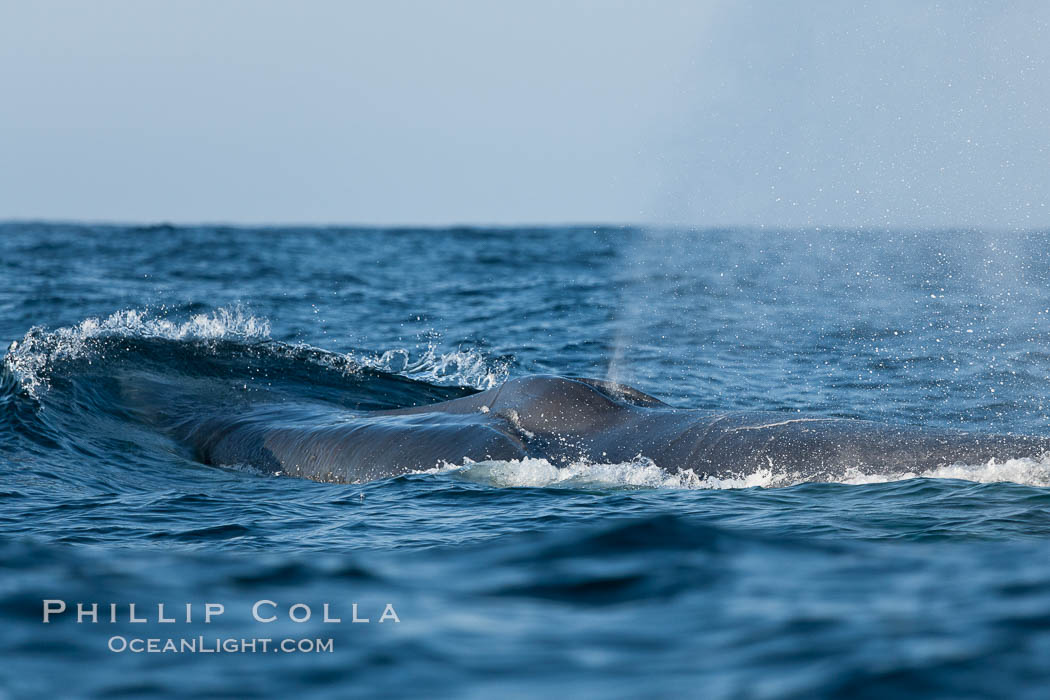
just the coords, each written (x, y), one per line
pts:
(466, 367)
(32, 360)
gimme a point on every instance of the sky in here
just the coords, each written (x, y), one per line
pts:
(887, 114)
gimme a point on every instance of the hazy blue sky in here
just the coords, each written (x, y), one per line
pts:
(785, 114)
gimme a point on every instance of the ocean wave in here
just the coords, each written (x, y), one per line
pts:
(1027, 471)
(643, 473)
(530, 472)
(32, 360)
(462, 367)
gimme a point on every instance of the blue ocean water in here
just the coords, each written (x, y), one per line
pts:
(518, 579)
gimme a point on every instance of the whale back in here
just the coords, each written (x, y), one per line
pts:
(549, 404)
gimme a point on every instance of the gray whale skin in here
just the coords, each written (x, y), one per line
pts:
(567, 420)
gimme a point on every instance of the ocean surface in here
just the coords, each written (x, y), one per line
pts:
(521, 579)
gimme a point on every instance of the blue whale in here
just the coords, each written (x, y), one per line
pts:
(567, 420)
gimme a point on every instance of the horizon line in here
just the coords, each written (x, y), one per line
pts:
(504, 226)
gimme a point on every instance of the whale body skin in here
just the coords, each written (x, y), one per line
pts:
(566, 420)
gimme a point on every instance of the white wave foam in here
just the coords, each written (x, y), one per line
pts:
(1028, 471)
(31, 358)
(461, 367)
(642, 472)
